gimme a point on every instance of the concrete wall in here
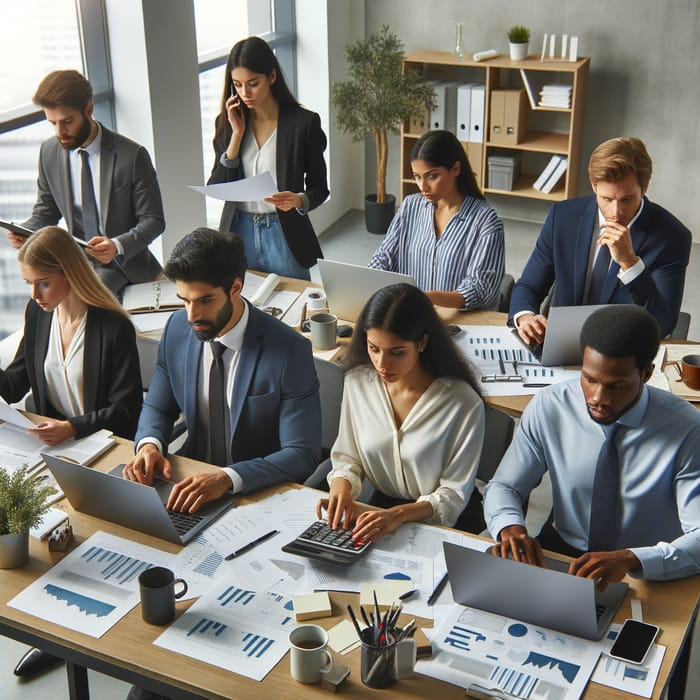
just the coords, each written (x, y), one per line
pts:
(645, 67)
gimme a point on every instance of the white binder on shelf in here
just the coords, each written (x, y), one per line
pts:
(451, 89)
(554, 178)
(476, 127)
(464, 107)
(546, 173)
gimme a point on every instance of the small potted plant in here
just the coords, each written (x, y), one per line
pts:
(375, 99)
(518, 37)
(23, 503)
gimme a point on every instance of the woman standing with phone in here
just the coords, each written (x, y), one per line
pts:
(262, 127)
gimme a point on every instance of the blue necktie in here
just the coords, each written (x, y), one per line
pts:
(598, 275)
(602, 531)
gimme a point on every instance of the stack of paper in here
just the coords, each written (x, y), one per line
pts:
(555, 95)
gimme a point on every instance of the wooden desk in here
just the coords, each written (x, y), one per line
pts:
(126, 651)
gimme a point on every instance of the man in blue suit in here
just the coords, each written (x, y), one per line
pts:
(260, 418)
(612, 247)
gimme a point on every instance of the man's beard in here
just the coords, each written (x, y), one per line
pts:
(222, 318)
(79, 140)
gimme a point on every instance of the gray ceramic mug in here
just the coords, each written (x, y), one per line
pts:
(157, 588)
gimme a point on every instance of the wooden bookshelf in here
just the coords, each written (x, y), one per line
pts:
(550, 130)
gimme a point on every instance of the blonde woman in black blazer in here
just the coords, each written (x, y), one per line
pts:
(262, 127)
(66, 290)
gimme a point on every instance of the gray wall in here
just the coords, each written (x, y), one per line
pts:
(645, 67)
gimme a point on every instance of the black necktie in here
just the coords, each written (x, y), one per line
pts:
(90, 217)
(602, 532)
(598, 275)
(218, 409)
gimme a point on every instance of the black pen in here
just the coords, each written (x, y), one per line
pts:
(438, 589)
(252, 544)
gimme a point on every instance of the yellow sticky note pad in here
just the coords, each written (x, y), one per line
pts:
(388, 592)
(309, 606)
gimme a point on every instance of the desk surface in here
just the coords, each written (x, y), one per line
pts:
(126, 651)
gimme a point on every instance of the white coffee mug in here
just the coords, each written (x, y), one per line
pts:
(309, 657)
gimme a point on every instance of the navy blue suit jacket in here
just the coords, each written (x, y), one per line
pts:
(275, 406)
(561, 256)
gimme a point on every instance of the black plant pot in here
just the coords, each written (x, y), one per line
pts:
(379, 216)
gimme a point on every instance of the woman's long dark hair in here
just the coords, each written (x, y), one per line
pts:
(254, 54)
(443, 149)
(406, 311)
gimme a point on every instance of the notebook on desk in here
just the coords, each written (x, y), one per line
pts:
(547, 597)
(111, 497)
(349, 287)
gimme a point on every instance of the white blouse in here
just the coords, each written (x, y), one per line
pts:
(64, 375)
(432, 457)
(256, 161)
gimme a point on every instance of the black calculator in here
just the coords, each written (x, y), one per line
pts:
(320, 542)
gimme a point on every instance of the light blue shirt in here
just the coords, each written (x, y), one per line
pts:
(658, 445)
(468, 257)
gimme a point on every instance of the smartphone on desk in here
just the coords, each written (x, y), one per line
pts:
(633, 641)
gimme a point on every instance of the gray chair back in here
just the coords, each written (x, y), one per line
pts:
(330, 379)
(680, 332)
(498, 432)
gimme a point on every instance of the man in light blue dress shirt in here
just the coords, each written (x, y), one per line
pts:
(658, 443)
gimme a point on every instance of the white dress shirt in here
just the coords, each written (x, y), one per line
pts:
(432, 457)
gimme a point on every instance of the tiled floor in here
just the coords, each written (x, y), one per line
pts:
(347, 240)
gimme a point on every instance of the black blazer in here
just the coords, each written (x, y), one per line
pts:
(301, 167)
(112, 377)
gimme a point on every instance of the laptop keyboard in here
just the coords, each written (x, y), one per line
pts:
(184, 522)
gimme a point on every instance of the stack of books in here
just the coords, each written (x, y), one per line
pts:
(555, 95)
(552, 173)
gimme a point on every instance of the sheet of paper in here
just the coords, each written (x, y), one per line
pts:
(11, 415)
(638, 679)
(293, 315)
(249, 189)
(472, 647)
(235, 626)
(503, 365)
(152, 321)
(93, 587)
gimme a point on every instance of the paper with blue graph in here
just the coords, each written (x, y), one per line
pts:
(472, 648)
(93, 587)
(234, 627)
(504, 367)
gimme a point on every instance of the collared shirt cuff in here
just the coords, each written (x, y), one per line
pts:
(305, 204)
(500, 523)
(652, 562)
(118, 245)
(631, 273)
(229, 163)
(236, 480)
(520, 314)
(150, 441)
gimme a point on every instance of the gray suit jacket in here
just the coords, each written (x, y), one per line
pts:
(131, 209)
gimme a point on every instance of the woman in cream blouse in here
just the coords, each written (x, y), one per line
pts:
(78, 354)
(412, 420)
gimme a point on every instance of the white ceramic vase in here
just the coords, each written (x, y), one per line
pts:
(518, 52)
(14, 550)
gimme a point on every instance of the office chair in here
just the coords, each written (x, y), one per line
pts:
(680, 332)
(330, 378)
(505, 291)
(498, 432)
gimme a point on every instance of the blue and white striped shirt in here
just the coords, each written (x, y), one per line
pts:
(468, 257)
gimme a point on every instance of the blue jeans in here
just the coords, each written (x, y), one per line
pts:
(266, 247)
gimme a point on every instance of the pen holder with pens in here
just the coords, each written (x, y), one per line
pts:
(381, 666)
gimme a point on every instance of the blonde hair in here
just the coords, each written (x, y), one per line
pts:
(615, 159)
(52, 249)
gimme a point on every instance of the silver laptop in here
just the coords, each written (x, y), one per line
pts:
(545, 597)
(128, 503)
(349, 287)
(562, 340)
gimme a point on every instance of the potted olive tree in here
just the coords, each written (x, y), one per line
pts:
(518, 38)
(23, 503)
(375, 99)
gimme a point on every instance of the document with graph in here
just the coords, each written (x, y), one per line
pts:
(93, 587)
(234, 627)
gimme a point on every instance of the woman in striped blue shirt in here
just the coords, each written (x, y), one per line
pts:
(448, 238)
